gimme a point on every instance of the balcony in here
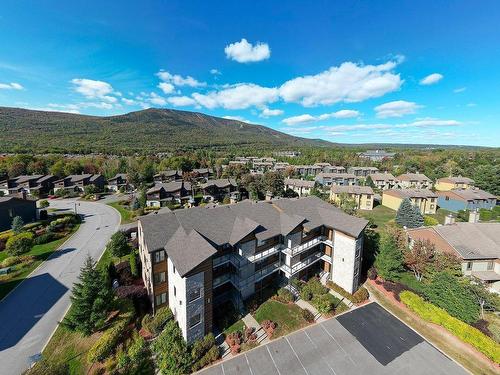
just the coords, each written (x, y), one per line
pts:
(266, 253)
(224, 259)
(304, 246)
(299, 266)
(327, 258)
(242, 283)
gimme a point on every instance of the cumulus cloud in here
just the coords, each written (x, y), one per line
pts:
(397, 108)
(181, 101)
(157, 99)
(215, 72)
(431, 79)
(92, 89)
(349, 82)
(178, 80)
(266, 112)
(419, 123)
(239, 96)
(307, 118)
(244, 52)
(11, 86)
(237, 118)
(166, 87)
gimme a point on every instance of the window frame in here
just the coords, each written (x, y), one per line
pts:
(195, 324)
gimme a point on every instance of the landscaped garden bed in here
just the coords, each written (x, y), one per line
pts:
(288, 317)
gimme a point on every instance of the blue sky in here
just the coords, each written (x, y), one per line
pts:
(349, 72)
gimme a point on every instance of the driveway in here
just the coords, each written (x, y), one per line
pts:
(367, 340)
(31, 312)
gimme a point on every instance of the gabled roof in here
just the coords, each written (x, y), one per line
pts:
(299, 183)
(334, 175)
(467, 194)
(382, 177)
(352, 189)
(220, 183)
(117, 176)
(413, 177)
(456, 180)
(168, 173)
(411, 193)
(170, 187)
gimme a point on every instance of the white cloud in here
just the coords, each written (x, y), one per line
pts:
(431, 79)
(11, 86)
(428, 121)
(157, 99)
(266, 112)
(239, 96)
(306, 118)
(459, 90)
(129, 101)
(166, 87)
(178, 80)
(349, 82)
(471, 104)
(181, 101)
(93, 89)
(244, 52)
(236, 118)
(215, 72)
(397, 108)
(419, 123)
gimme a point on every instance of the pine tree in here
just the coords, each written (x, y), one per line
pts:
(409, 215)
(389, 260)
(91, 298)
(118, 245)
(17, 224)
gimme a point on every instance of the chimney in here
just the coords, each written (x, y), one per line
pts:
(449, 219)
(474, 216)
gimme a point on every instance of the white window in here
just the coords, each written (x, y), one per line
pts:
(161, 299)
(489, 267)
(194, 320)
(159, 256)
(159, 277)
(194, 294)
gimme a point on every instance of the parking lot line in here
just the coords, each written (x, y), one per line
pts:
(314, 344)
(340, 346)
(277, 369)
(293, 350)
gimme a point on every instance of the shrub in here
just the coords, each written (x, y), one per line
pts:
(360, 295)
(46, 366)
(316, 287)
(269, 326)
(17, 224)
(204, 352)
(118, 245)
(306, 294)
(284, 296)
(394, 288)
(307, 315)
(156, 324)
(463, 331)
(45, 238)
(297, 284)
(234, 338)
(106, 344)
(249, 335)
(429, 221)
(19, 244)
(10, 261)
(133, 264)
(372, 273)
(44, 203)
(324, 303)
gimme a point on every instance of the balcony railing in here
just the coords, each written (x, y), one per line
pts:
(303, 247)
(242, 283)
(266, 253)
(226, 258)
(327, 258)
(299, 266)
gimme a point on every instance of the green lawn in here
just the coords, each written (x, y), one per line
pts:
(20, 272)
(236, 326)
(287, 317)
(125, 214)
(380, 215)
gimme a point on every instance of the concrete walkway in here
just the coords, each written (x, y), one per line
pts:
(307, 306)
(250, 321)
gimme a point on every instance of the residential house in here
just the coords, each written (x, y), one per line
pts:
(376, 155)
(205, 173)
(262, 166)
(118, 182)
(466, 199)
(424, 199)
(414, 181)
(162, 194)
(288, 154)
(78, 182)
(362, 171)
(219, 189)
(36, 185)
(334, 169)
(281, 166)
(477, 245)
(343, 179)
(167, 176)
(362, 195)
(301, 187)
(383, 181)
(308, 170)
(195, 259)
(12, 206)
(451, 183)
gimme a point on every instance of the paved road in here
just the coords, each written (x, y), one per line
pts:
(32, 311)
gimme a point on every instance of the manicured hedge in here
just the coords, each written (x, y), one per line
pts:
(463, 331)
(106, 344)
(359, 296)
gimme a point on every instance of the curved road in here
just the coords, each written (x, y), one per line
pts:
(31, 312)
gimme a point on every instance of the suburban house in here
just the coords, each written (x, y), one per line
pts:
(78, 182)
(451, 183)
(288, 154)
(219, 189)
(37, 185)
(308, 170)
(281, 166)
(424, 199)
(195, 259)
(202, 172)
(414, 181)
(167, 176)
(477, 245)
(376, 155)
(362, 171)
(171, 192)
(343, 179)
(262, 166)
(334, 169)
(362, 195)
(119, 181)
(465, 199)
(11, 206)
(383, 181)
(301, 187)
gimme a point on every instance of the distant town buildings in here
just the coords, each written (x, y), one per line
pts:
(376, 155)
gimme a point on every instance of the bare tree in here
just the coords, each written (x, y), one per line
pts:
(418, 257)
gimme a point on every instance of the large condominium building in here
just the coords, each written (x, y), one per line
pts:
(362, 171)
(301, 187)
(362, 195)
(450, 183)
(414, 181)
(466, 199)
(383, 181)
(342, 179)
(424, 199)
(195, 259)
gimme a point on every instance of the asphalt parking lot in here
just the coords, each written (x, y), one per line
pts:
(368, 340)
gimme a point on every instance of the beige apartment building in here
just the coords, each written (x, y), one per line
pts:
(424, 199)
(362, 195)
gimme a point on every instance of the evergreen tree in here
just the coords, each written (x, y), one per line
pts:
(91, 298)
(409, 215)
(17, 224)
(118, 245)
(389, 260)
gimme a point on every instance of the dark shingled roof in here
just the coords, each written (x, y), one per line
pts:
(228, 224)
